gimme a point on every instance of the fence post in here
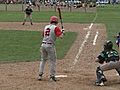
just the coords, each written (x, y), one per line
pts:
(6, 6)
(22, 5)
(70, 7)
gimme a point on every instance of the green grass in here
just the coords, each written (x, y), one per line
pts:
(110, 16)
(44, 16)
(24, 45)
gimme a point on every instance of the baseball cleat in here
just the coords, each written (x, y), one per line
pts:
(52, 78)
(23, 23)
(31, 23)
(99, 83)
(40, 77)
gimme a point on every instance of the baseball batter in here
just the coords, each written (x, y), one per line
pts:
(111, 58)
(47, 49)
(28, 14)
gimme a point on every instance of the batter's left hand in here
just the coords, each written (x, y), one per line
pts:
(63, 31)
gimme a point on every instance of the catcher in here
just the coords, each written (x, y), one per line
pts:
(109, 59)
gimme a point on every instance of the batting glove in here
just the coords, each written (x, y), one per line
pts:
(63, 31)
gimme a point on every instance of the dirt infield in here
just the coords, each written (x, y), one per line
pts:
(80, 72)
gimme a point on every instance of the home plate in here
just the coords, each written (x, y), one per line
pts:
(117, 74)
(85, 28)
(61, 76)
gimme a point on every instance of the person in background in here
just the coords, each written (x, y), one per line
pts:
(28, 14)
(108, 59)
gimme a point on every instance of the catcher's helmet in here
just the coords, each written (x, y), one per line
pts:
(53, 19)
(108, 45)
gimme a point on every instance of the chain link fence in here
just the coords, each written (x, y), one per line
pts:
(38, 5)
(12, 5)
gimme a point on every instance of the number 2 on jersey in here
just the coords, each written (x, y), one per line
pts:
(47, 32)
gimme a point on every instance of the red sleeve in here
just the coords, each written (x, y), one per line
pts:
(57, 32)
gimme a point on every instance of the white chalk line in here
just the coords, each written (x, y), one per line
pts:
(95, 38)
(81, 48)
(90, 25)
(83, 43)
(57, 76)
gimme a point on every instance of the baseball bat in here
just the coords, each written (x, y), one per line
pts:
(60, 16)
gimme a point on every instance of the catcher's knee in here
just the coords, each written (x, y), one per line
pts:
(99, 71)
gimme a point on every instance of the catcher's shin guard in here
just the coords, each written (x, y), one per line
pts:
(100, 76)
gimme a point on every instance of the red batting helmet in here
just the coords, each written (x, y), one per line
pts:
(54, 19)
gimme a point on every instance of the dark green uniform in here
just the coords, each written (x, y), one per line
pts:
(109, 59)
(107, 56)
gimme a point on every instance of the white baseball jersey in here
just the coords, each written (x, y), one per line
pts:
(50, 33)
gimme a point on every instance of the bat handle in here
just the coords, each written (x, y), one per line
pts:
(62, 27)
(63, 31)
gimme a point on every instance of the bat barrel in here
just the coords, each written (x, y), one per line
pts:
(60, 16)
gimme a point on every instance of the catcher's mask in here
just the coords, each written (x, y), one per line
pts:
(108, 45)
(54, 19)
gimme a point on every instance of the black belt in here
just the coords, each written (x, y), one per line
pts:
(46, 43)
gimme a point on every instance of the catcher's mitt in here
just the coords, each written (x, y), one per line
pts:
(101, 59)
